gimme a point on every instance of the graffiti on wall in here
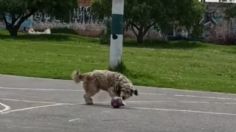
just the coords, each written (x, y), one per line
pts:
(42, 17)
(212, 17)
(81, 15)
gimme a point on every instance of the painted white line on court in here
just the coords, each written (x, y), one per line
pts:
(27, 101)
(230, 103)
(204, 97)
(164, 101)
(145, 93)
(6, 107)
(185, 111)
(36, 107)
(189, 96)
(76, 119)
(189, 91)
(184, 102)
(41, 89)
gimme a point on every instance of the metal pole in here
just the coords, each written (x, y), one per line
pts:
(116, 42)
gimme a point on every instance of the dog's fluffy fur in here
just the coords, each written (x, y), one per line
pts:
(116, 84)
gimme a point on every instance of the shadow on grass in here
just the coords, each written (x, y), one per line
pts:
(52, 37)
(124, 70)
(165, 44)
(57, 35)
(63, 30)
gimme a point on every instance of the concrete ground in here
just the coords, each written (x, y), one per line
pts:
(46, 105)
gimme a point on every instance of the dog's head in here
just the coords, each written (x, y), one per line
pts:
(127, 91)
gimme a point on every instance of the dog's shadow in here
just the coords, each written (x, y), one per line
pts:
(99, 105)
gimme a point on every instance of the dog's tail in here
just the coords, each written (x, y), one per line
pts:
(77, 76)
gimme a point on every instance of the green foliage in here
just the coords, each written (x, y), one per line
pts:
(19, 10)
(141, 15)
(187, 12)
(59, 8)
(19, 7)
(102, 8)
(230, 11)
(184, 13)
(105, 37)
(197, 32)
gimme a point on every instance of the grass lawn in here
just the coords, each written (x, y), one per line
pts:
(183, 65)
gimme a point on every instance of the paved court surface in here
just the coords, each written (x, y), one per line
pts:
(45, 105)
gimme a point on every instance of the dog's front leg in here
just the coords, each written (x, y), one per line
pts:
(111, 92)
(115, 95)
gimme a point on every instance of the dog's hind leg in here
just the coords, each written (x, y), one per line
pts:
(90, 90)
(88, 96)
(88, 99)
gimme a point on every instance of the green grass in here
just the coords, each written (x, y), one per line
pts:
(181, 64)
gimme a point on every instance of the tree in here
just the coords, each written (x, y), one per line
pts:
(187, 13)
(141, 15)
(230, 13)
(15, 12)
(102, 8)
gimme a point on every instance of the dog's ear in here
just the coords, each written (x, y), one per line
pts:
(136, 92)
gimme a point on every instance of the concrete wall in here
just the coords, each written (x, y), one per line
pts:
(216, 27)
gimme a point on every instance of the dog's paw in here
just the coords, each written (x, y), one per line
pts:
(89, 103)
(123, 103)
(88, 100)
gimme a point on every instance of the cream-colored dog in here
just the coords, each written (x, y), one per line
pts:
(116, 84)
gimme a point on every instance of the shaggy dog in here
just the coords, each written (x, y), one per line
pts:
(116, 84)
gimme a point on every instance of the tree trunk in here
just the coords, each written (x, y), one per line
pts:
(13, 30)
(140, 31)
(140, 37)
(15, 23)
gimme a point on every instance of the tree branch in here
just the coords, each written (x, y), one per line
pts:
(13, 18)
(16, 19)
(23, 18)
(134, 25)
(148, 27)
(5, 19)
(134, 31)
